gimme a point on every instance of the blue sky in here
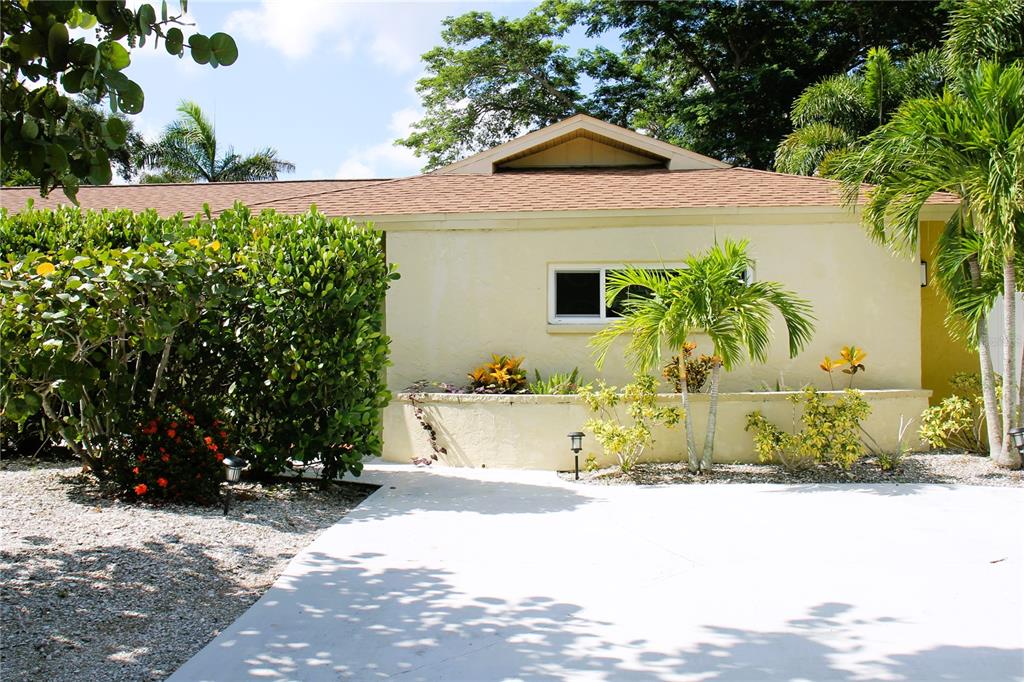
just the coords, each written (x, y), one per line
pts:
(329, 84)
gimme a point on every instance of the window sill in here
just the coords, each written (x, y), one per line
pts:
(574, 328)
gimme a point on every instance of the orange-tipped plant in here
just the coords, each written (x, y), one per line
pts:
(503, 374)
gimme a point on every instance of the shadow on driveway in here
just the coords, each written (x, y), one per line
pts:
(379, 622)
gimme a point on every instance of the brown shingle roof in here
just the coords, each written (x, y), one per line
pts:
(168, 199)
(535, 190)
(577, 189)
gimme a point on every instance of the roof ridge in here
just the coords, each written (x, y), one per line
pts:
(336, 190)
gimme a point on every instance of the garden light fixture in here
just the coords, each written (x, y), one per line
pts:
(576, 440)
(233, 465)
(1017, 435)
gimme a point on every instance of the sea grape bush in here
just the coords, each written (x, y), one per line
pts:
(272, 324)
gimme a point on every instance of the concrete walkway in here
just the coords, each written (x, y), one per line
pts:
(449, 574)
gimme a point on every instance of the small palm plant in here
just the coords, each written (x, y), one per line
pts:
(708, 295)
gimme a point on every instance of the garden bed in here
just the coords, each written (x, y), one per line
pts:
(529, 431)
(932, 467)
(97, 589)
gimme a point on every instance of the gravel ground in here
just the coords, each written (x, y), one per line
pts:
(932, 467)
(97, 589)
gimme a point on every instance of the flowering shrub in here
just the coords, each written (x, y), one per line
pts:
(171, 456)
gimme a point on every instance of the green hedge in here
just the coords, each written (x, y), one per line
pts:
(270, 323)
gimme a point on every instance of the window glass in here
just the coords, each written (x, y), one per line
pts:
(578, 293)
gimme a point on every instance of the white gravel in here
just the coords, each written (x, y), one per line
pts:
(96, 589)
(930, 467)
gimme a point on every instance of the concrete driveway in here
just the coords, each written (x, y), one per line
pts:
(449, 574)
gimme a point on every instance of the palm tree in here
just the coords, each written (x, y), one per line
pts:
(187, 152)
(710, 294)
(831, 115)
(970, 142)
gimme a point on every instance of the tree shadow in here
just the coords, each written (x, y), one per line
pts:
(114, 612)
(355, 618)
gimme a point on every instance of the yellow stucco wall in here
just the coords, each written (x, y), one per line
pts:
(479, 286)
(529, 432)
(941, 355)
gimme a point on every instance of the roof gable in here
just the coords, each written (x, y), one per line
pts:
(581, 141)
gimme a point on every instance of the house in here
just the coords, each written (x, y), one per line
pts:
(506, 252)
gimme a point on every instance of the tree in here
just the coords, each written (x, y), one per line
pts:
(188, 152)
(833, 113)
(969, 141)
(709, 295)
(124, 160)
(44, 133)
(717, 77)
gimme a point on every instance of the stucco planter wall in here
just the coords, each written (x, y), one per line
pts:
(529, 431)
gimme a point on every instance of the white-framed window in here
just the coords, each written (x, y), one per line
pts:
(576, 292)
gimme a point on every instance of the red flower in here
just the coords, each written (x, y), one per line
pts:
(207, 440)
(165, 458)
(223, 434)
(174, 425)
(150, 428)
(162, 482)
(171, 433)
(220, 457)
(135, 470)
(142, 458)
(141, 489)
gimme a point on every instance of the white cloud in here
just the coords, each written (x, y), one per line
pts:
(384, 159)
(392, 34)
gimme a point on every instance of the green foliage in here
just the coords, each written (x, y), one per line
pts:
(188, 152)
(715, 77)
(87, 333)
(710, 294)
(697, 370)
(503, 374)
(830, 433)
(958, 422)
(624, 419)
(984, 30)
(171, 456)
(558, 383)
(833, 113)
(272, 323)
(44, 68)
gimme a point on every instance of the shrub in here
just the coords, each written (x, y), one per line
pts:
(88, 334)
(503, 374)
(697, 370)
(171, 455)
(271, 323)
(626, 435)
(830, 433)
(958, 422)
(557, 383)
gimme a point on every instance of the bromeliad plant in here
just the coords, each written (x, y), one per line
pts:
(711, 295)
(627, 435)
(558, 383)
(503, 374)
